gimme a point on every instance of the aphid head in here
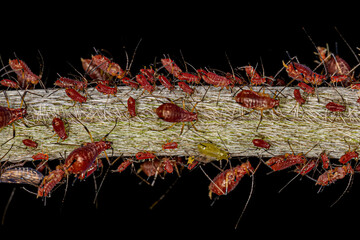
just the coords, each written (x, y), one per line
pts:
(107, 144)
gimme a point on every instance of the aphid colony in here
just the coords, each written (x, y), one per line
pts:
(105, 76)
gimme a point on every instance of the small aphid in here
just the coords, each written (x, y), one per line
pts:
(299, 99)
(212, 152)
(131, 104)
(74, 95)
(30, 143)
(261, 143)
(59, 128)
(335, 107)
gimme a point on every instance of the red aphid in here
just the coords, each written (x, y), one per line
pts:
(124, 165)
(80, 159)
(282, 162)
(170, 112)
(339, 78)
(355, 86)
(9, 83)
(334, 174)
(171, 66)
(188, 77)
(23, 71)
(335, 107)
(170, 145)
(227, 180)
(168, 166)
(145, 155)
(64, 82)
(127, 81)
(303, 73)
(186, 88)
(107, 66)
(261, 143)
(306, 168)
(50, 181)
(75, 96)
(254, 77)
(255, 100)
(10, 115)
(149, 74)
(165, 82)
(106, 89)
(325, 160)
(298, 97)
(59, 128)
(131, 104)
(141, 79)
(92, 70)
(30, 143)
(40, 156)
(348, 156)
(215, 79)
(306, 88)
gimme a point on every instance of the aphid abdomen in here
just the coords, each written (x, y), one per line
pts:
(170, 112)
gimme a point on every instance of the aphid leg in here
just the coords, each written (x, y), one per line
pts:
(345, 190)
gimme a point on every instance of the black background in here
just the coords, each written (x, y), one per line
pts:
(64, 32)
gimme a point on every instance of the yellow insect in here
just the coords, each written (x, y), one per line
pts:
(212, 152)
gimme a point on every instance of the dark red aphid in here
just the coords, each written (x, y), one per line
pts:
(59, 128)
(108, 66)
(124, 165)
(74, 95)
(171, 66)
(255, 100)
(254, 77)
(189, 77)
(64, 82)
(186, 88)
(261, 143)
(50, 181)
(131, 104)
(298, 97)
(348, 156)
(143, 82)
(215, 79)
(165, 82)
(30, 143)
(170, 112)
(40, 156)
(306, 88)
(145, 155)
(335, 107)
(9, 83)
(170, 145)
(105, 89)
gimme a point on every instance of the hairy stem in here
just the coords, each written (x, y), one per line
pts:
(221, 121)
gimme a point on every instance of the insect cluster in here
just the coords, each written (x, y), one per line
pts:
(180, 94)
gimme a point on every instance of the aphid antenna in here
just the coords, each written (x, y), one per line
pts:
(347, 44)
(247, 201)
(128, 67)
(350, 182)
(41, 70)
